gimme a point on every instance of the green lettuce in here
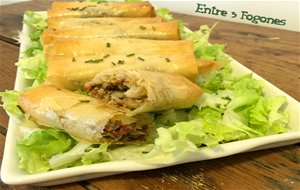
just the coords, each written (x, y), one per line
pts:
(267, 117)
(50, 149)
(202, 48)
(130, 152)
(34, 68)
(170, 117)
(165, 14)
(168, 147)
(70, 158)
(239, 102)
(32, 64)
(36, 150)
(96, 155)
(10, 103)
(36, 22)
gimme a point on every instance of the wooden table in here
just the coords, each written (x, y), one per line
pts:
(271, 53)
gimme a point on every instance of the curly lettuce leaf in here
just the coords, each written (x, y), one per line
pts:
(80, 154)
(70, 158)
(203, 49)
(10, 103)
(267, 117)
(170, 117)
(32, 64)
(168, 147)
(165, 14)
(239, 102)
(36, 150)
(96, 155)
(36, 22)
(34, 68)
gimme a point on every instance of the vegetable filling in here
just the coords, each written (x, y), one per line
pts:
(120, 93)
(120, 130)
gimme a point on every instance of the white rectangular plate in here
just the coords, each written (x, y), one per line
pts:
(11, 174)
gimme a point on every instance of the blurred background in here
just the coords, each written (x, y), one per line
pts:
(288, 10)
(278, 9)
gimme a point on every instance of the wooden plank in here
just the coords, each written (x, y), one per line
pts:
(254, 170)
(266, 168)
(9, 56)
(70, 186)
(13, 13)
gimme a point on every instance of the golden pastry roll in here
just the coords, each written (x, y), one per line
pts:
(143, 91)
(104, 9)
(65, 22)
(72, 72)
(119, 46)
(83, 117)
(154, 31)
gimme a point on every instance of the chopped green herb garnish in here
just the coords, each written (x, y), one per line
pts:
(153, 28)
(167, 59)
(120, 62)
(142, 27)
(73, 59)
(84, 101)
(83, 8)
(81, 91)
(73, 8)
(20, 109)
(142, 59)
(130, 55)
(113, 63)
(106, 56)
(108, 45)
(94, 61)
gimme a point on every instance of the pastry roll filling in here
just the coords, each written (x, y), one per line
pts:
(119, 91)
(127, 129)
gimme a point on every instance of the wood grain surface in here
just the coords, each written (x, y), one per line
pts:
(271, 53)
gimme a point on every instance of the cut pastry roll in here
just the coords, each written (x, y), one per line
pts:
(65, 22)
(85, 118)
(72, 72)
(155, 31)
(119, 46)
(73, 62)
(104, 9)
(144, 91)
